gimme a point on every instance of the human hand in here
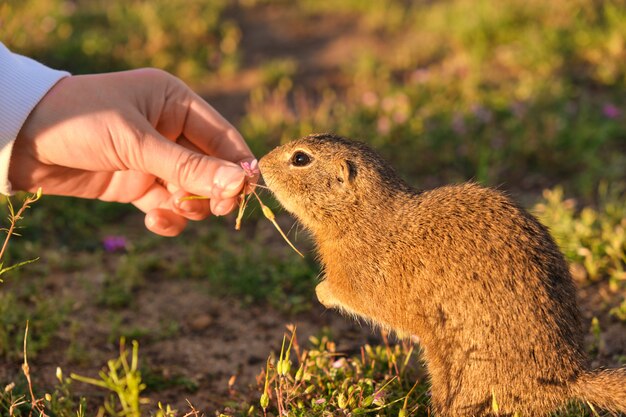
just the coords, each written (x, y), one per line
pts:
(137, 136)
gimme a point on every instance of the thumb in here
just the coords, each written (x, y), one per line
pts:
(191, 171)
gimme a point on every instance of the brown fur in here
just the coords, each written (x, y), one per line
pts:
(474, 276)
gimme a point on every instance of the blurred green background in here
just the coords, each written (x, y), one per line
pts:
(524, 93)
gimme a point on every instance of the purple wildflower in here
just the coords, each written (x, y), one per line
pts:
(611, 111)
(379, 397)
(482, 113)
(518, 109)
(251, 168)
(458, 124)
(114, 243)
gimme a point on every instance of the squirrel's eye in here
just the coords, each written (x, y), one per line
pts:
(300, 159)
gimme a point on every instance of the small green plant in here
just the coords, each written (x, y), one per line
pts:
(45, 317)
(596, 332)
(380, 380)
(18, 400)
(14, 218)
(620, 311)
(592, 238)
(123, 380)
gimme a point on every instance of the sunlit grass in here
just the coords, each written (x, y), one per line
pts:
(594, 239)
(189, 38)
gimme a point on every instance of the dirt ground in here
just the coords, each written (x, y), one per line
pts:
(218, 337)
(215, 338)
(321, 46)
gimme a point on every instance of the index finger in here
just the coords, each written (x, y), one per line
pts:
(201, 124)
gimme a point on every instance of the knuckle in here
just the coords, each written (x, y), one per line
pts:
(222, 135)
(187, 166)
(155, 73)
(156, 76)
(223, 140)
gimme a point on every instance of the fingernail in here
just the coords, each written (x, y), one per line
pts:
(158, 223)
(228, 181)
(223, 207)
(188, 206)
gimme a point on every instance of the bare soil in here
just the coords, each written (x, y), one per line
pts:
(213, 339)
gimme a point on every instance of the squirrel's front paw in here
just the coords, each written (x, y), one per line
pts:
(325, 296)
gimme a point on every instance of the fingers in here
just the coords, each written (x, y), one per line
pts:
(125, 186)
(223, 207)
(157, 203)
(190, 209)
(164, 222)
(199, 122)
(191, 171)
(167, 214)
(200, 209)
(183, 141)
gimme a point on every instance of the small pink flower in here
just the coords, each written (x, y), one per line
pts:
(384, 125)
(388, 104)
(339, 363)
(370, 99)
(251, 168)
(400, 117)
(420, 76)
(611, 111)
(320, 401)
(379, 398)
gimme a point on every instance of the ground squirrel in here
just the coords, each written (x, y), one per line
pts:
(474, 276)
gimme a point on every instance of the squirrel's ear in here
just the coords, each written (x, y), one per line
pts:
(347, 171)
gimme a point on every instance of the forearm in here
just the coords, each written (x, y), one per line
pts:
(23, 82)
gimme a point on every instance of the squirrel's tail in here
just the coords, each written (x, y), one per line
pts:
(605, 388)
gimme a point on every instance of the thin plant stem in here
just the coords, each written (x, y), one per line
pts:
(15, 217)
(36, 403)
(267, 212)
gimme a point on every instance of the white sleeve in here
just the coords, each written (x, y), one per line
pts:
(23, 83)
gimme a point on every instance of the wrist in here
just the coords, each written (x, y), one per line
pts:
(23, 83)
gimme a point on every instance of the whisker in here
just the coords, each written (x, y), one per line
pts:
(291, 228)
(260, 186)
